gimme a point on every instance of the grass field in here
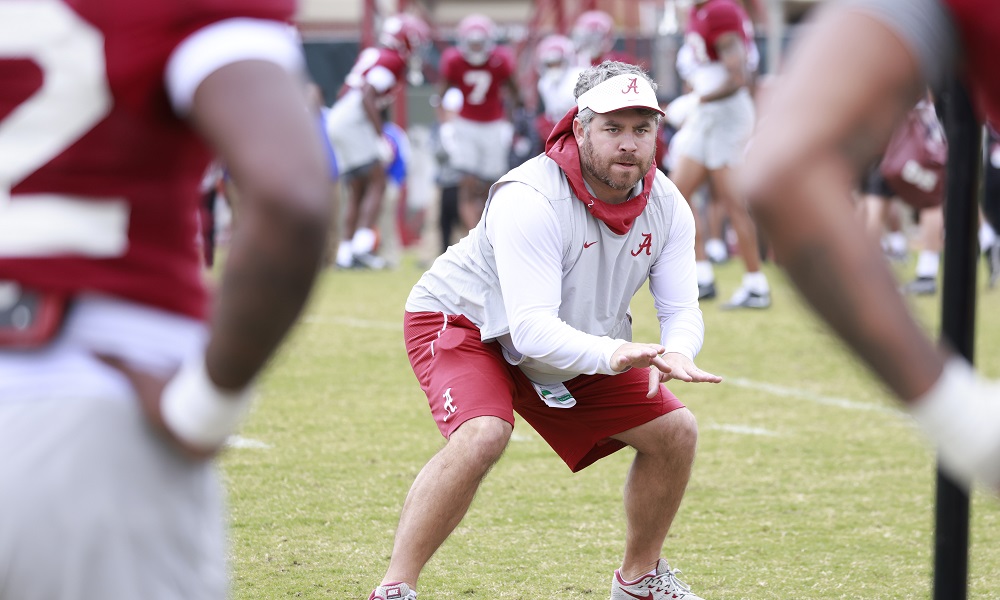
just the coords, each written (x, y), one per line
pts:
(808, 482)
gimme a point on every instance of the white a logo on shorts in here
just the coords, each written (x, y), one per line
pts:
(449, 404)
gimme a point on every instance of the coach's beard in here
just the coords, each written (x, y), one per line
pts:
(602, 172)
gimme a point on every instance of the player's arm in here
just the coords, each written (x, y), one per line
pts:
(437, 100)
(826, 118)
(732, 54)
(514, 93)
(254, 114)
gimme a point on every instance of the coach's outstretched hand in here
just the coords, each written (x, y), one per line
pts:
(665, 365)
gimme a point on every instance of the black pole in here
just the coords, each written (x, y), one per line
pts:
(958, 316)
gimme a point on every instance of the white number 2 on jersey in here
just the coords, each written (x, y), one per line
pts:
(73, 98)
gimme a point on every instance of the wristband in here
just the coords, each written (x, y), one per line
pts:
(961, 415)
(199, 413)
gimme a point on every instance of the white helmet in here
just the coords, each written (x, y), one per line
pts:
(476, 38)
(554, 52)
(593, 33)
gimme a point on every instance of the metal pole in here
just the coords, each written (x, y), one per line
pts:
(958, 312)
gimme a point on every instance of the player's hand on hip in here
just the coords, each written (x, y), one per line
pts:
(149, 391)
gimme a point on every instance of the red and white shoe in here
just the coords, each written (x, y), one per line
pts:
(664, 585)
(393, 591)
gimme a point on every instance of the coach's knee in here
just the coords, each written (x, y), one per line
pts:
(482, 439)
(679, 432)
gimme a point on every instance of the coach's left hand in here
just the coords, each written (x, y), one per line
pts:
(674, 365)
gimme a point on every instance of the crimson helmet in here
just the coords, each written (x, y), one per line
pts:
(554, 51)
(476, 38)
(593, 33)
(405, 33)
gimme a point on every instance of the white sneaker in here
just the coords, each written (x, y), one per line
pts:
(744, 298)
(393, 591)
(716, 251)
(662, 586)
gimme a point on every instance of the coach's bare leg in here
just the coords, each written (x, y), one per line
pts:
(442, 492)
(655, 484)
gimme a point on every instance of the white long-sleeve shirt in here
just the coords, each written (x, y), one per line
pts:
(552, 284)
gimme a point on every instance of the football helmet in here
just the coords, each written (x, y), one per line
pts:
(406, 34)
(554, 52)
(476, 38)
(593, 33)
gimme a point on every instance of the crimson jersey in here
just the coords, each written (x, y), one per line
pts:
(978, 23)
(371, 58)
(100, 190)
(709, 21)
(480, 85)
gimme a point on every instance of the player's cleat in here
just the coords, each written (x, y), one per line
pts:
(921, 286)
(706, 291)
(717, 251)
(370, 261)
(393, 591)
(662, 586)
(992, 256)
(744, 298)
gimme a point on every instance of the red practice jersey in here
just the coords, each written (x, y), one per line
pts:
(480, 85)
(103, 193)
(711, 20)
(378, 58)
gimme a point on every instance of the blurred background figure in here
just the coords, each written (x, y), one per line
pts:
(555, 59)
(594, 38)
(717, 122)
(482, 70)
(355, 125)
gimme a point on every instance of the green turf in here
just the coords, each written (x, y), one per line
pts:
(808, 482)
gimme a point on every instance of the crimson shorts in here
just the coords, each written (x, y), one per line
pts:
(465, 378)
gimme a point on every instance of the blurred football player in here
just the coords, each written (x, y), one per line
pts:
(555, 57)
(355, 126)
(717, 63)
(594, 37)
(481, 69)
(848, 82)
(118, 381)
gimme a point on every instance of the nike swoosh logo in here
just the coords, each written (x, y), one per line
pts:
(588, 245)
(648, 596)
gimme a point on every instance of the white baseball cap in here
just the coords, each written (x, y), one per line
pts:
(629, 90)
